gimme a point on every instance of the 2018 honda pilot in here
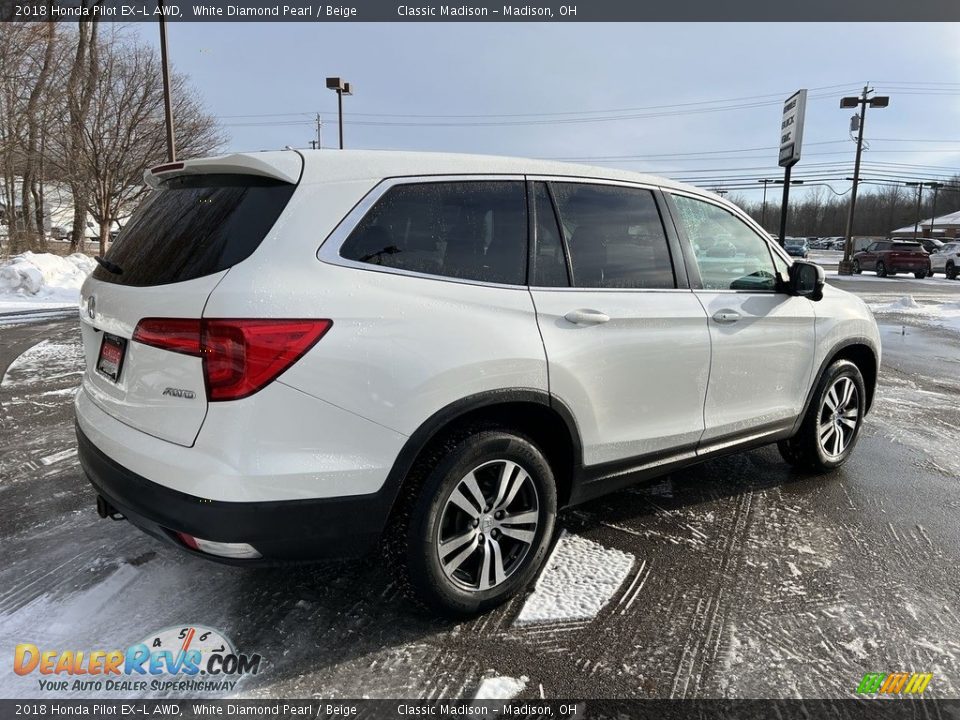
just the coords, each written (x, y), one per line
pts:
(298, 355)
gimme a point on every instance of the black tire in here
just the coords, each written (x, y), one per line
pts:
(881, 269)
(412, 541)
(951, 271)
(920, 275)
(805, 449)
(856, 267)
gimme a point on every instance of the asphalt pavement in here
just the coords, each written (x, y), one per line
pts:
(741, 577)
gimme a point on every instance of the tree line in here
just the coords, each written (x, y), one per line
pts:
(82, 107)
(820, 212)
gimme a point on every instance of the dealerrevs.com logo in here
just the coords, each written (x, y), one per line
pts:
(176, 659)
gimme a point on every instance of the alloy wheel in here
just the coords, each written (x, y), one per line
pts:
(488, 525)
(839, 416)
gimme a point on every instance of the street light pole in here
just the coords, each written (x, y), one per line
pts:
(341, 88)
(846, 267)
(167, 105)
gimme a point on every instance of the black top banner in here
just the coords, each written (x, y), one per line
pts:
(485, 11)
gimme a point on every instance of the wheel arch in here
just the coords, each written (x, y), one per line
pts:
(859, 351)
(532, 412)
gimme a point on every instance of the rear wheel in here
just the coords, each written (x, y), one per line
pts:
(881, 269)
(479, 527)
(920, 275)
(856, 267)
(831, 427)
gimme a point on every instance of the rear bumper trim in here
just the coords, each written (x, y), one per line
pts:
(282, 531)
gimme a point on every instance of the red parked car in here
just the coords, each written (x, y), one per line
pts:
(888, 257)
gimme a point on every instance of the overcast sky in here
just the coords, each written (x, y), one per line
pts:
(674, 76)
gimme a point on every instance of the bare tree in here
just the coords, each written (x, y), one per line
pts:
(80, 86)
(124, 132)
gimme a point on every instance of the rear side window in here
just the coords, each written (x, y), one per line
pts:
(193, 226)
(614, 235)
(470, 230)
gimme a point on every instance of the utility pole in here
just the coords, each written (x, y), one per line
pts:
(845, 266)
(763, 213)
(319, 140)
(916, 223)
(933, 208)
(167, 106)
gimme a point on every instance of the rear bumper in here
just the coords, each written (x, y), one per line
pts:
(282, 531)
(909, 265)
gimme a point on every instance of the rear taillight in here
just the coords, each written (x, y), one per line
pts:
(239, 357)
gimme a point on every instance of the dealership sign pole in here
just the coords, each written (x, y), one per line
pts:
(791, 137)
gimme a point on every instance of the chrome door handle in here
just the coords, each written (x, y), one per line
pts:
(586, 317)
(726, 316)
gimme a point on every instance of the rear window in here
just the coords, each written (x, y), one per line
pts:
(195, 225)
(906, 246)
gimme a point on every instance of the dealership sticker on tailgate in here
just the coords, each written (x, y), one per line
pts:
(112, 350)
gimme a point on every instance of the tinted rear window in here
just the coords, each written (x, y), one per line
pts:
(193, 226)
(907, 246)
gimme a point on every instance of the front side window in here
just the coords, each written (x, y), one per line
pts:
(730, 255)
(614, 235)
(470, 230)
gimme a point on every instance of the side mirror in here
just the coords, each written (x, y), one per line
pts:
(806, 280)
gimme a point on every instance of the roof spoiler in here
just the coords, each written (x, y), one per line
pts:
(285, 166)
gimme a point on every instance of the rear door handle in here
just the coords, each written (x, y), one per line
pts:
(726, 316)
(586, 317)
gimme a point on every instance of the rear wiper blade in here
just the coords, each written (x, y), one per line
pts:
(110, 267)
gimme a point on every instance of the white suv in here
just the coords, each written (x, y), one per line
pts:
(946, 260)
(296, 355)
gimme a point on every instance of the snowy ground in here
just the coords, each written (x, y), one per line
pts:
(737, 578)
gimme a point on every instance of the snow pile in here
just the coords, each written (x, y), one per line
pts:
(578, 581)
(32, 280)
(944, 315)
(501, 688)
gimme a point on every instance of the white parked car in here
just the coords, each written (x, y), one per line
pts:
(299, 355)
(946, 260)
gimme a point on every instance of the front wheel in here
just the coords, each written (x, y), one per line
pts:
(831, 427)
(951, 272)
(881, 270)
(478, 530)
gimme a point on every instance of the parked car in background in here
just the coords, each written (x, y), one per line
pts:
(797, 247)
(888, 257)
(931, 245)
(946, 260)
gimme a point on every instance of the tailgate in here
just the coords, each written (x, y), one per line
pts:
(159, 392)
(201, 218)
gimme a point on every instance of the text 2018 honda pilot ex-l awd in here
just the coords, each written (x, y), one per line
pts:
(297, 355)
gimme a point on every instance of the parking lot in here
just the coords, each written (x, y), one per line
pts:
(740, 577)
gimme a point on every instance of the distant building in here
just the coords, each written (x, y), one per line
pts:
(945, 227)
